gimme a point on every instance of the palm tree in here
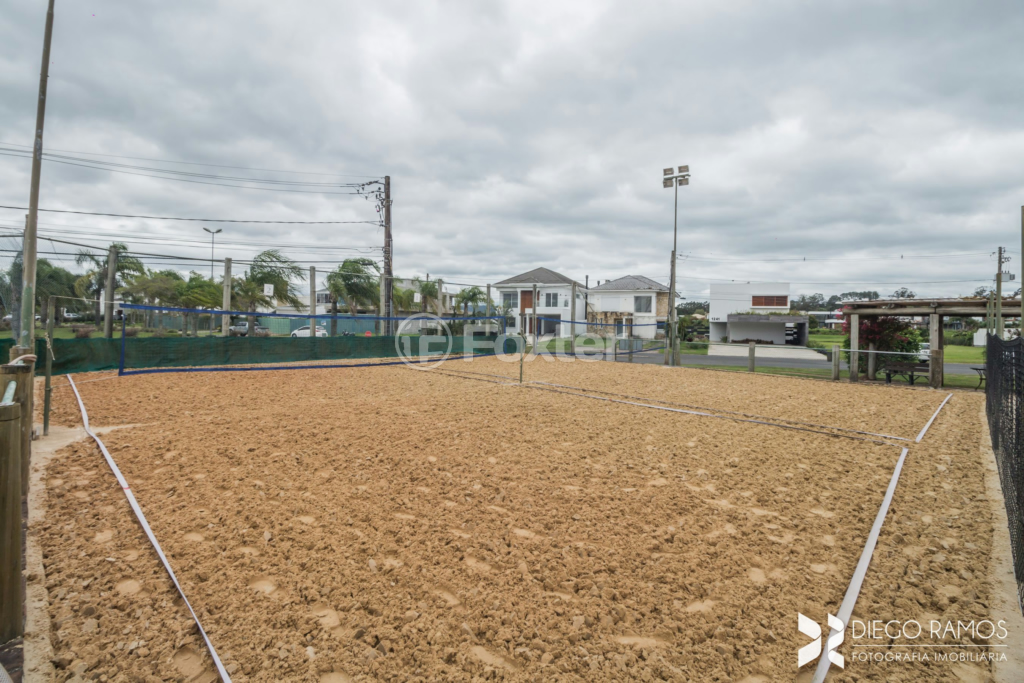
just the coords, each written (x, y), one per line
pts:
(269, 267)
(428, 291)
(405, 299)
(53, 281)
(90, 286)
(153, 288)
(469, 297)
(355, 284)
(197, 292)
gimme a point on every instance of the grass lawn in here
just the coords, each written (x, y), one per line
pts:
(964, 354)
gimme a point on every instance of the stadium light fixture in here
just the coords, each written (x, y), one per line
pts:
(213, 236)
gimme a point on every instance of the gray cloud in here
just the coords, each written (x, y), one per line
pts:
(534, 133)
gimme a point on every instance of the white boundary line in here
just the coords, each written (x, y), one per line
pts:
(850, 599)
(929, 424)
(149, 532)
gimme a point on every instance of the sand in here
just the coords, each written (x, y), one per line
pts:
(391, 524)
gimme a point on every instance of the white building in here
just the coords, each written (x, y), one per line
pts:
(754, 311)
(633, 306)
(554, 295)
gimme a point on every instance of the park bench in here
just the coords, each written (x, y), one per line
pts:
(909, 371)
(981, 376)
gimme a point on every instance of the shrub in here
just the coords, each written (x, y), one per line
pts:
(83, 332)
(131, 331)
(888, 333)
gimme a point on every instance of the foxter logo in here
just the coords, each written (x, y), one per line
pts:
(810, 652)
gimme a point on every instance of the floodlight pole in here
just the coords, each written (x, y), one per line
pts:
(389, 281)
(28, 259)
(676, 179)
(213, 236)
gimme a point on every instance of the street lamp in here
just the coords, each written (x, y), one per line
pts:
(674, 179)
(213, 237)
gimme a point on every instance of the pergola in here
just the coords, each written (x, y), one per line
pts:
(934, 309)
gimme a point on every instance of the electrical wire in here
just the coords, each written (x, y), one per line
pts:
(200, 220)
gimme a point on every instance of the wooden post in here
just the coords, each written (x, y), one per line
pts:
(934, 334)
(533, 315)
(23, 397)
(225, 321)
(49, 366)
(835, 362)
(108, 294)
(872, 361)
(572, 322)
(854, 347)
(751, 351)
(12, 624)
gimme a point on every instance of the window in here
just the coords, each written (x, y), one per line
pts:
(323, 297)
(774, 301)
(641, 304)
(510, 299)
(551, 299)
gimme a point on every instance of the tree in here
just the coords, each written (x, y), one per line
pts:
(693, 308)
(888, 333)
(90, 286)
(154, 288)
(404, 299)
(903, 293)
(353, 283)
(427, 290)
(809, 302)
(269, 267)
(53, 281)
(983, 292)
(866, 295)
(469, 297)
(197, 292)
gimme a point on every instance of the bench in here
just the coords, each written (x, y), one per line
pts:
(909, 371)
(981, 376)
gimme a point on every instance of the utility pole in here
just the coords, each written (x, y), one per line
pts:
(28, 259)
(225, 322)
(213, 236)
(108, 294)
(389, 283)
(674, 180)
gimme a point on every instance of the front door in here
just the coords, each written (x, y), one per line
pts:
(526, 306)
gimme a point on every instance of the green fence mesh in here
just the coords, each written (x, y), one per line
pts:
(90, 355)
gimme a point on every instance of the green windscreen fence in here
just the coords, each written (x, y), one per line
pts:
(90, 355)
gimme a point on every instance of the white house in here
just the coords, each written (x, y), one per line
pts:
(754, 311)
(633, 306)
(554, 295)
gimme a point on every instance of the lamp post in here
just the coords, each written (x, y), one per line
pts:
(213, 237)
(675, 180)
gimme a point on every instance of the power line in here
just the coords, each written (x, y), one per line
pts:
(180, 180)
(201, 220)
(197, 163)
(684, 257)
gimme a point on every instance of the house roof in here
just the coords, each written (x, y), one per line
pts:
(540, 276)
(631, 283)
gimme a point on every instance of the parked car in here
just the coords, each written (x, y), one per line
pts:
(304, 331)
(241, 329)
(72, 316)
(925, 353)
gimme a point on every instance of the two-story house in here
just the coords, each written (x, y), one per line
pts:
(554, 303)
(631, 306)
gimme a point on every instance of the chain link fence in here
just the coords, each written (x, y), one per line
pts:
(1004, 403)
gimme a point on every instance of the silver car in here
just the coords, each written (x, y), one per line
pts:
(304, 331)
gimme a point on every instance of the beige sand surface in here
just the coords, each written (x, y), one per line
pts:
(390, 524)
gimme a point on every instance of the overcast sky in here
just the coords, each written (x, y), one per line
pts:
(524, 134)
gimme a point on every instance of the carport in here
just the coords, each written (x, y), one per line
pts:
(933, 309)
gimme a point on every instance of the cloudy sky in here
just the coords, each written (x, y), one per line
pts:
(524, 134)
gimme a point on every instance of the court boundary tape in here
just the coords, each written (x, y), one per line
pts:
(853, 591)
(929, 423)
(253, 368)
(149, 532)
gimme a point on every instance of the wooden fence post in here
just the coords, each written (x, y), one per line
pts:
(872, 362)
(835, 362)
(22, 373)
(750, 357)
(12, 622)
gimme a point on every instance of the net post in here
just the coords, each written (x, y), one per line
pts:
(854, 347)
(872, 362)
(572, 322)
(835, 362)
(225, 320)
(751, 351)
(49, 364)
(120, 360)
